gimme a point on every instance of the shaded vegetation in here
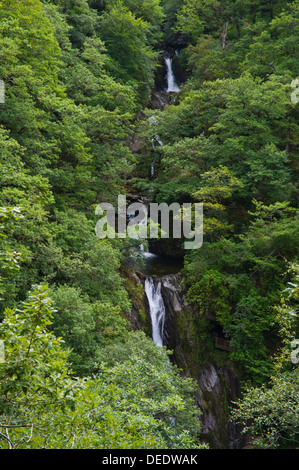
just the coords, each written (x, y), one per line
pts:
(75, 131)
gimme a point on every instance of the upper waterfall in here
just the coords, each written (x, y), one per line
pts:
(172, 86)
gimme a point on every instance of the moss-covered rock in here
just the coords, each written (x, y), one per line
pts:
(139, 316)
(192, 340)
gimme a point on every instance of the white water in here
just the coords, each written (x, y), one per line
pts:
(156, 139)
(142, 223)
(172, 86)
(153, 288)
(157, 309)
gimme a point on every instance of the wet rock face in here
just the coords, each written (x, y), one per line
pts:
(138, 317)
(160, 99)
(179, 71)
(171, 291)
(217, 389)
(209, 379)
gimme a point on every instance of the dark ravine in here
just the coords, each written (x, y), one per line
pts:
(218, 386)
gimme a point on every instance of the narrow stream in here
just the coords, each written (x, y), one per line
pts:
(160, 273)
(156, 265)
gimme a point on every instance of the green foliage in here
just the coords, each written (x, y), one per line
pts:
(80, 17)
(287, 312)
(217, 185)
(78, 78)
(72, 121)
(34, 377)
(126, 39)
(223, 19)
(212, 296)
(237, 281)
(234, 123)
(148, 10)
(270, 414)
(274, 49)
(273, 412)
(137, 345)
(207, 61)
(197, 16)
(87, 328)
(9, 260)
(42, 406)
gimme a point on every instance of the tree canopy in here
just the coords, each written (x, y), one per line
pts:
(80, 125)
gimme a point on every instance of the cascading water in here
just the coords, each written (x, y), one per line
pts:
(142, 223)
(153, 287)
(156, 139)
(169, 311)
(156, 307)
(172, 86)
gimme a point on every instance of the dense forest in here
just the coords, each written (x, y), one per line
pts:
(86, 113)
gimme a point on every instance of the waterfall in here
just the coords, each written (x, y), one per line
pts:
(172, 87)
(156, 139)
(156, 307)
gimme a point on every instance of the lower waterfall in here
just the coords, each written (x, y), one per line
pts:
(170, 316)
(156, 308)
